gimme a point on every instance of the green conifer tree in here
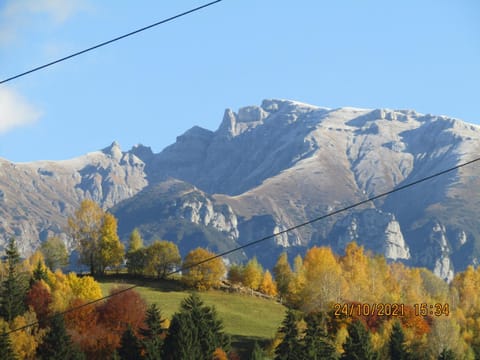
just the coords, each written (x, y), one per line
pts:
(397, 347)
(57, 344)
(152, 334)
(358, 345)
(290, 348)
(130, 348)
(6, 350)
(446, 354)
(39, 273)
(14, 287)
(257, 352)
(317, 345)
(195, 332)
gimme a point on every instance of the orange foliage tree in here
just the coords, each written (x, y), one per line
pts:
(40, 299)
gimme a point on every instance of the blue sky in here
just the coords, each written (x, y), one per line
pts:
(150, 88)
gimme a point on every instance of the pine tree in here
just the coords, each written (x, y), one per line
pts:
(152, 335)
(182, 341)
(317, 345)
(57, 344)
(6, 350)
(446, 354)
(358, 345)
(13, 287)
(397, 342)
(290, 347)
(195, 332)
(130, 348)
(257, 352)
(39, 273)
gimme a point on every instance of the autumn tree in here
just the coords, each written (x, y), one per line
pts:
(324, 281)
(297, 283)
(66, 288)
(27, 338)
(136, 253)
(55, 253)
(110, 247)
(202, 270)
(195, 332)
(85, 228)
(14, 286)
(40, 299)
(283, 274)
(84, 328)
(126, 307)
(355, 269)
(219, 354)
(162, 257)
(252, 274)
(268, 286)
(445, 334)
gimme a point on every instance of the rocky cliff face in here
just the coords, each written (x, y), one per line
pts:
(375, 230)
(38, 197)
(265, 169)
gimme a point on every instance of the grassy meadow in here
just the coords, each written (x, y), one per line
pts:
(246, 318)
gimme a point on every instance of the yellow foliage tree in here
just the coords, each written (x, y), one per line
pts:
(283, 274)
(324, 281)
(267, 285)
(85, 228)
(219, 354)
(84, 288)
(161, 258)
(110, 247)
(25, 341)
(356, 272)
(202, 276)
(66, 288)
(60, 290)
(297, 282)
(467, 284)
(252, 274)
(32, 262)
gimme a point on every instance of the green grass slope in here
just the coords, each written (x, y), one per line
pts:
(243, 316)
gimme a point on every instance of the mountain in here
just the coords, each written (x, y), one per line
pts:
(265, 169)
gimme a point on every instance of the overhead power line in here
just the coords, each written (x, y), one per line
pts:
(110, 41)
(373, 198)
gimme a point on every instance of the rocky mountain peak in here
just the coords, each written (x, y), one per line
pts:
(270, 167)
(114, 151)
(142, 152)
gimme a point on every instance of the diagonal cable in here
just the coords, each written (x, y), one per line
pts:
(109, 41)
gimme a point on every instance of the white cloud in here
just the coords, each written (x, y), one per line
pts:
(15, 14)
(15, 111)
